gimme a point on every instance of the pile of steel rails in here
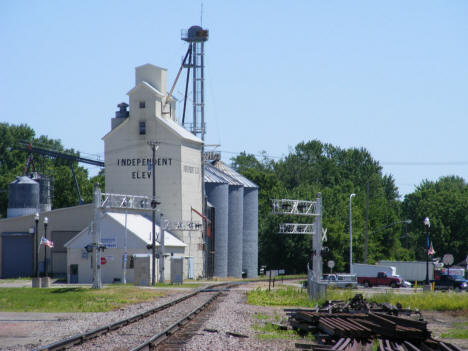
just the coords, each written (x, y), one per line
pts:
(359, 325)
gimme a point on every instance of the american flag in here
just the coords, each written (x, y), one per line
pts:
(47, 242)
(431, 250)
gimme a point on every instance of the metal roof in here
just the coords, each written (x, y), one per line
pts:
(215, 175)
(141, 226)
(235, 175)
(137, 225)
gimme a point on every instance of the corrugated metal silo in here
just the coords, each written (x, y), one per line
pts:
(249, 220)
(44, 194)
(250, 237)
(217, 191)
(235, 224)
(45, 203)
(23, 197)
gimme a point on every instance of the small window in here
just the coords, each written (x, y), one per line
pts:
(142, 104)
(142, 128)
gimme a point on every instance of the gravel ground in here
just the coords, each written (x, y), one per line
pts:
(137, 333)
(234, 315)
(26, 334)
(231, 315)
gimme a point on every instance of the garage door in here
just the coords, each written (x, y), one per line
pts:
(17, 252)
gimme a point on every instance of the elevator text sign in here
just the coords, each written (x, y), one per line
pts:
(142, 167)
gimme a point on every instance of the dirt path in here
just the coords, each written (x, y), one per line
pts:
(442, 322)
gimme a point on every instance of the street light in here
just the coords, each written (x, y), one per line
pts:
(427, 224)
(46, 221)
(350, 235)
(36, 251)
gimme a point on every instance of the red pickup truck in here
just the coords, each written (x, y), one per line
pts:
(381, 279)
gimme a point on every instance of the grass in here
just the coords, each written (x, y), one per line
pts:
(269, 331)
(290, 296)
(439, 301)
(72, 299)
(261, 316)
(459, 330)
(184, 285)
(455, 334)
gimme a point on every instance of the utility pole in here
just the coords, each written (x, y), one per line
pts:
(162, 226)
(97, 282)
(366, 242)
(154, 146)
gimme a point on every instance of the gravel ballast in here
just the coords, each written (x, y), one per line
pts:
(231, 316)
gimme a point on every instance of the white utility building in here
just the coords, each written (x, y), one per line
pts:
(120, 232)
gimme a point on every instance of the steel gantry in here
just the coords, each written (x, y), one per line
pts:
(294, 207)
(304, 208)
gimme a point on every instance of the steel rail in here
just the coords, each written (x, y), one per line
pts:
(80, 338)
(160, 337)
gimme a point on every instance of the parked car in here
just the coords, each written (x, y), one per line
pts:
(381, 279)
(451, 282)
(406, 284)
(340, 280)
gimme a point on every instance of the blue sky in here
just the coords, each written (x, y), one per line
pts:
(387, 76)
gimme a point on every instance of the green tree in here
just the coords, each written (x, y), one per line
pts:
(314, 167)
(445, 202)
(13, 163)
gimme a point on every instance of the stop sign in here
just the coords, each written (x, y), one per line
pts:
(103, 260)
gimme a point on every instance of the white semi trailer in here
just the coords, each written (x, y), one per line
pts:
(371, 270)
(411, 270)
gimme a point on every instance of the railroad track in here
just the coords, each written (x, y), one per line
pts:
(146, 330)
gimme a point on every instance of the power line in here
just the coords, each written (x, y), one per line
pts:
(414, 163)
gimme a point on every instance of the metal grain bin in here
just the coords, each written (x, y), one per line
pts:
(235, 227)
(217, 191)
(249, 220)
(250, 235)
(23, 197)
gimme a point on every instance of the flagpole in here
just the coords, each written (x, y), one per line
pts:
(46, 221)
(427, 224)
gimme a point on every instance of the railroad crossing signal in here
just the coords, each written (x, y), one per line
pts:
(294, 207)
(296, 228)
(304, 208)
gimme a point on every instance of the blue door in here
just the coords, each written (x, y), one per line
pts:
(17, 255)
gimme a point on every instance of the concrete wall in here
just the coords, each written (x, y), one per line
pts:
(191, 187)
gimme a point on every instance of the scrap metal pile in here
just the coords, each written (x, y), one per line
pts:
(359, 325)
